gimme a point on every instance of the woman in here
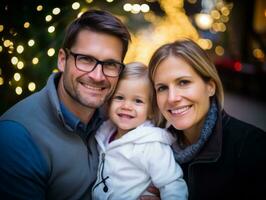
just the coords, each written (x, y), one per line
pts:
(221, 157)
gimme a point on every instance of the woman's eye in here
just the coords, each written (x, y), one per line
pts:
(184, 82)
(161, 88)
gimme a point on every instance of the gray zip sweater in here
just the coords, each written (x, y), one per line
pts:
(42, 153)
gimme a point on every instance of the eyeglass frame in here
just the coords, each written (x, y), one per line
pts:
(102, 63)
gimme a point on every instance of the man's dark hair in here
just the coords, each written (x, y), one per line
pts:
(98, 21)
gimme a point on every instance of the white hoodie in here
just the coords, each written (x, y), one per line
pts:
(131, 163)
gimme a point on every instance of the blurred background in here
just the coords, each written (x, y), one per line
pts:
(233, 32)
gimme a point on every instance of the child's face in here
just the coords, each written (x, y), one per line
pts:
(130, 104)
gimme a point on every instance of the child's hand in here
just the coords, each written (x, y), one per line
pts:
(155, 191)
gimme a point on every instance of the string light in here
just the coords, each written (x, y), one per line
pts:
(31, 42)
(51, 29)
(18, 90)
(20, 65)
(1, 28)
(51, 52)
(89, 1)
(109, 1)
(26, 25)
(14, 60)
(31, 86)
(75, 5)
(56, 11)
(48, 18)
(39, 8)
(1, 48)
(35, 61)
(17, 76)
(20, 49)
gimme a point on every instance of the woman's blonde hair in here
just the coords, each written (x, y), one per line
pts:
(196, 57)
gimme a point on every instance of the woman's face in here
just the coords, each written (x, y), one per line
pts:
(182, 95)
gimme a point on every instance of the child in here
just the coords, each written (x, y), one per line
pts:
(134, 153)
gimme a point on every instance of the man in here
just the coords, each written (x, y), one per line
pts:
(47, 144)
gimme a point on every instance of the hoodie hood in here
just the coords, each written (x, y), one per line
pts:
(144, 133)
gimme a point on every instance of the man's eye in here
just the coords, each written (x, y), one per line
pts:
(86, 59)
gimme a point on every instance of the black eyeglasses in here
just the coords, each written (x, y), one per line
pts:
(88, 63)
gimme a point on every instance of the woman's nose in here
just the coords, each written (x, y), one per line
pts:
(174, 95)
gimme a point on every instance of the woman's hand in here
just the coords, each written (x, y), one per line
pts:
(155, 191)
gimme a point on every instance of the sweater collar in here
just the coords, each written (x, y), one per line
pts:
(211, 148)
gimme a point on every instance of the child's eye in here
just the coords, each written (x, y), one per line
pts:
(118, 97)
(138, 101)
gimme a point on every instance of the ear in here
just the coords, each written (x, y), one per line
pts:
(61, 60)
(211, 88)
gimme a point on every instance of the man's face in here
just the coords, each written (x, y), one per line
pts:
(88, 89)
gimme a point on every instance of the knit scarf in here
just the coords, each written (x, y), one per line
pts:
(188, 153)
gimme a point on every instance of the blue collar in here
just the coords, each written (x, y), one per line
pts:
(76, 124)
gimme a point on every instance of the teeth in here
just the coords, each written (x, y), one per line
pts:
(92, 88)
(180, 110)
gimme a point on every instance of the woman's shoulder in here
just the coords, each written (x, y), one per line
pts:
(240, 128)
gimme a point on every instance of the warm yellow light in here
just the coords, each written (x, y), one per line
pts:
(204, 21)
(127, 7)
(35, 61)
(215, 14)
(14, 60)
(258, 53)
(48, 18)
(51, 29)
(135, 8)
(31, 42)
(20, 65)
(7, 43)
(51, 52)
(109, 1)
(26, 25)
(39, 8)
(56, 11)
(75, 5)
(145, 8)
(1, 28)
(18, 90)
(1, 81)
(20, 49)
(17, 76)
(55, 70)
(31, 86)
(219, 50)
(80, 13)
(205, 43)
(89, 1)
(225, 11)
(1, 48)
